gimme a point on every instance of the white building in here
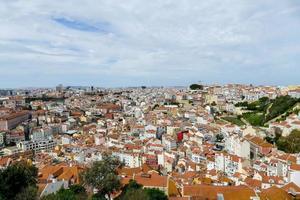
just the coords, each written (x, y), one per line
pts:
(41, 145)
(2, 138)
(169, 142)
(131, 160)
(237, 146)
(230, 164)
(41, 134)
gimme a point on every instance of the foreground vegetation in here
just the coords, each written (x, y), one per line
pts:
(19, 182)
(135, 191)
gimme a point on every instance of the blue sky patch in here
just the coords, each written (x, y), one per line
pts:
(83, 26)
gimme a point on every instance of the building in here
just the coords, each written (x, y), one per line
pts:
(2, 138)
(237, 146)
(210, 192)
(258, 146)
(37, 146)
(12, 120)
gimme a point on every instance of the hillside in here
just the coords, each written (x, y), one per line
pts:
(265, 110)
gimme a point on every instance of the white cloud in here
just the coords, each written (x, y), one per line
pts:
(159, 42)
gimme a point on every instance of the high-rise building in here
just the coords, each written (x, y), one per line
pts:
(59, 88)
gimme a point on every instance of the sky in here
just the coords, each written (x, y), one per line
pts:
(118, 43)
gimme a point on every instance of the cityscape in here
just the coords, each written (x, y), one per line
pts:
(201, 141)
(149, 100)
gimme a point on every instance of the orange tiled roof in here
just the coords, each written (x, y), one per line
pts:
(258, 141)
(274, 193)
(152, 179)
(291, 187)
(295, 167)
(131, 171)
(60, 172)
(253, 183)
(209, 192)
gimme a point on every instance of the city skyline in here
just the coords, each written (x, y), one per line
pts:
(113, 44)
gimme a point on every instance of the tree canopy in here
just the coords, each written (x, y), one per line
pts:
(196, 87)
(75, 192)
(291, 143)
(135, 191)
(103, 176)
(18, 181)
(265, 109)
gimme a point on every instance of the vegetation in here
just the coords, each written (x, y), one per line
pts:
(172, 103)
(279, 106)
(196, 87)
(242, 104)
(234, 120)
(155, 194)
(103, 176)
(260, 105)
(135, 191)
(75, 192)
(289, 144)
(266, 109)
(18, 181)
(219, 137)
(254, 118)
(44, 98)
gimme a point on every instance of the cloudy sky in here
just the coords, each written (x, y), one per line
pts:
(148, 42)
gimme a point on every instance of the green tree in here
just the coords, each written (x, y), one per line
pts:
(196, 87)
(219, 137)
(135, 191)
(103, 176)
(156, 194)
(79, 191)
(16, 179)
(128, 188)
(137, 194)
(29, 193)
(291, 143)
(62, 194)
(98, 196)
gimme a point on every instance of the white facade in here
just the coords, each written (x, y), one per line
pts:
(230, 164)
(42, 145)
(131, 160)
(53, 187)
(294, 176)
(237, 146)
(41, 134)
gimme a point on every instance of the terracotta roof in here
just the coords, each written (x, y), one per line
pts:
(152, 179)
(288, 157)
(131, 171)
(209, 192)
(258, 141)
(4, 161)
(60, 172)
(291, 187)
(274, 193)
(295, 167)
(14, 115)
(253, 183)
